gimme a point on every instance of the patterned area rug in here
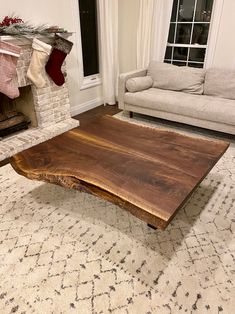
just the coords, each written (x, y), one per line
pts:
(62, 251)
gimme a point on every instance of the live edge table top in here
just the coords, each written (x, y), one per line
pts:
(148, 171)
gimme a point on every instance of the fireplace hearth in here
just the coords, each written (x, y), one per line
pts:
(48, 108)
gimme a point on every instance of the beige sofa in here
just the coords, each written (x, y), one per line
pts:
(203, 98)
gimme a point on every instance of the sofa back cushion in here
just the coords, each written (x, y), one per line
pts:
(137, 84)
(177, 78)
(220, 83)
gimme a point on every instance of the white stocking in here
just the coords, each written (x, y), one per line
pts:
(36, 71)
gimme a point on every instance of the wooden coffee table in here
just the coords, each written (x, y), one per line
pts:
(149, 172)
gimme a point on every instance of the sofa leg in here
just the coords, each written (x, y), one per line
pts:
(130, 114)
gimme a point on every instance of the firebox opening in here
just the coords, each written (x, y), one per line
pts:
(17, 114)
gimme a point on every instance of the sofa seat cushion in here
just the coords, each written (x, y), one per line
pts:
(196, 106)
(177, 78)
(220, 83)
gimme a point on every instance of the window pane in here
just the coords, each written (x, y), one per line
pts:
(88, 21)
(203, 10)
(190, 22)
(200, 34)
(197, 54)
(179, 63)
(167, 61)
(180, 53)
(171, 33)
(186, 10)
(174, 11)
(168, 53)
(195, 65)
(183, 33)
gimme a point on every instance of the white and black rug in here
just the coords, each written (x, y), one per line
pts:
(62, 251)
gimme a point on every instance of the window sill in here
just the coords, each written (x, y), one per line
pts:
(91, 81)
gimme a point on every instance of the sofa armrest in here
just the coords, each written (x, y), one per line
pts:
(122, 84)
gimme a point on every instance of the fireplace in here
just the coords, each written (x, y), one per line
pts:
(47, 109)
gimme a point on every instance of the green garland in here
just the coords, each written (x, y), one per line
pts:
(16, 26)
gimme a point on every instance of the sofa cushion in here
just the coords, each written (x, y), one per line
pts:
(176, 78)
(220, 82)
(196, 106)
(136, 84)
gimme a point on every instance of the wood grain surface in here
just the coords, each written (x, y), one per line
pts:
(150, 172)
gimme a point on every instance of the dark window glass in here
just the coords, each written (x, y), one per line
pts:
(189, 27)
(203, 10)
(167, 61)
(195, 65)
(197, 54)
(200, 34)
(174, 11)
(171, 33)
(180, 53)
(168, 54)
(183, 33)
(89, 35)
(181, 64)
(186, 10)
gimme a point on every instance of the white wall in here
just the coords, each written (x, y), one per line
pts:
(62, 13)
(128, 21)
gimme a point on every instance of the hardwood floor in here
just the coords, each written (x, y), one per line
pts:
(87, 117)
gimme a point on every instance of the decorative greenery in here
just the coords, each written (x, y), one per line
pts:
(14, 25)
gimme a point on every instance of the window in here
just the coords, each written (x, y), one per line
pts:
(89, 39)
(188, 33)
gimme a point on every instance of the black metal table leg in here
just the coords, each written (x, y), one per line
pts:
(152, 227)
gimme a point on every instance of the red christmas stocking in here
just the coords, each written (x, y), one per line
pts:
(9, 55)
(61, 48)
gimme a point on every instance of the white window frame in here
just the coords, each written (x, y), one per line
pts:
(212, 35)
(90, 81)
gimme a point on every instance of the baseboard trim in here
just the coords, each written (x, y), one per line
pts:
(86, 106)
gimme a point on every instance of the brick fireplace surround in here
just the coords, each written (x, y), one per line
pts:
(50, 106)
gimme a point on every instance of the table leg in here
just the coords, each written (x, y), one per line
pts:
(152, 227)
